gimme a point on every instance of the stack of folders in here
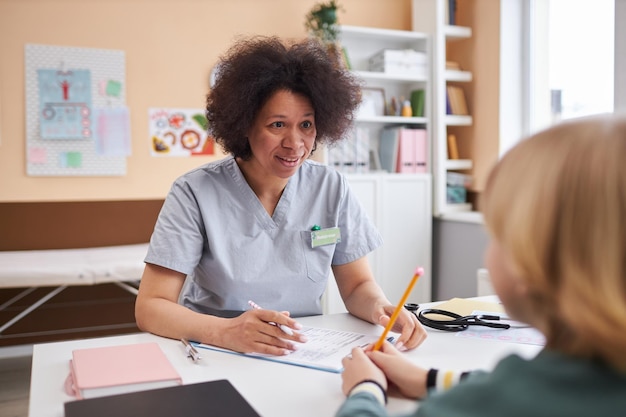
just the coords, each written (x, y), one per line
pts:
(404, 150)
(352, 154)
(109, 370)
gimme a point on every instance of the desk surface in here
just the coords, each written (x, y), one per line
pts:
(273, 389)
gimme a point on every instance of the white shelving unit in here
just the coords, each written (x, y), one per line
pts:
(429, 17)
(361, 43)
(400, 205)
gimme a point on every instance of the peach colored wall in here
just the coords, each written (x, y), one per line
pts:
(170, 46)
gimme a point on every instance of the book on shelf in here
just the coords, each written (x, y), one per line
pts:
(417, 102)
(453, 149)
(451, 11)
(456, 187)
(403, 150)
(448, 107)
(109, 370)
(456, 98)
(212, 398)
(453, 65)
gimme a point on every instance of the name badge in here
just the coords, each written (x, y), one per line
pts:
(323, 237)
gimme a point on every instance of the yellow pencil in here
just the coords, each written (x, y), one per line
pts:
(418, 272)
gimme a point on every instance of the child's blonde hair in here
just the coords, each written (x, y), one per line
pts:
(557, 203)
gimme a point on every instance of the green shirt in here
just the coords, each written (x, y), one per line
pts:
(549, 385)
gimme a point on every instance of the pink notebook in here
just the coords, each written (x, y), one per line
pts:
(95, 372)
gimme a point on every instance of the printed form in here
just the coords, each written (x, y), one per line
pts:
(324, 349)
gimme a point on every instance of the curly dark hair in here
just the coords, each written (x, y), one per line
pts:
(253, 69)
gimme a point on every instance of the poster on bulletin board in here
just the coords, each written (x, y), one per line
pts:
(179, 132)
(77, 122)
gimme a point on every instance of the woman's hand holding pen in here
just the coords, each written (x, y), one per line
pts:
(258, 331)
(412, 334)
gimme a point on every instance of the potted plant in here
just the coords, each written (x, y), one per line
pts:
(321, 21)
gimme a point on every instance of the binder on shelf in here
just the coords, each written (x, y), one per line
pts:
(352, 154)
(388, 149)
(405, 163)
(362, 149)
(212, 398)
(109, 370)
(421, 150)
(404, 150)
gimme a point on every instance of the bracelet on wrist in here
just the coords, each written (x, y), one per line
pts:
(443, 380)
(371, 386)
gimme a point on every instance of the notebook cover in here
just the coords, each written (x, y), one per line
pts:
(122, 368)
(212, 398)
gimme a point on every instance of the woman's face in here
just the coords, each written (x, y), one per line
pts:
(282, 136)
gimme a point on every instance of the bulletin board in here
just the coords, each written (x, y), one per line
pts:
(85, 131)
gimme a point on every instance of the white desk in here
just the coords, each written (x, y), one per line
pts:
(273, 389)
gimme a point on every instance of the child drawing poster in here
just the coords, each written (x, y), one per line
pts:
(64, 104)
(179, 132)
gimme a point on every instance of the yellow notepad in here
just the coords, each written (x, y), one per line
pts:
(465, 306)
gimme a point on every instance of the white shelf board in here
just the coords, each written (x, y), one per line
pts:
(452, 164)
(383, 76)
(457, 207)
(455, 120)
(453, 32)
(366, 32)
(392, 119)
(456, 75)
(467, 216)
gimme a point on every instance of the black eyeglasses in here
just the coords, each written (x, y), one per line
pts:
(456, 323)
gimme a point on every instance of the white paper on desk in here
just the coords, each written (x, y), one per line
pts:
(517, 333)
(324, 349)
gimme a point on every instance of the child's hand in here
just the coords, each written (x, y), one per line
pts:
(412, 333)
(357, 368)
(409, 378)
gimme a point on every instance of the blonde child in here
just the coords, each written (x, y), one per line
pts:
(555, 208)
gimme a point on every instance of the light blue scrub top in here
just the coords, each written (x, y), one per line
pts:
(213, 228)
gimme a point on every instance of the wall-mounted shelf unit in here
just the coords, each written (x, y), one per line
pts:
(429, 16)
(360, 44)
(399, 204)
